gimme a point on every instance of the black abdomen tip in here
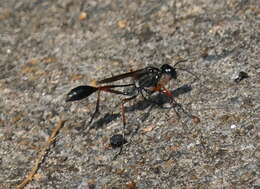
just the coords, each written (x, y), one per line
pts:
(80, 92)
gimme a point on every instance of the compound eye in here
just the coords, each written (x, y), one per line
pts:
(166, 68)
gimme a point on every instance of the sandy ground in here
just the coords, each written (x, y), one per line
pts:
(50, 47)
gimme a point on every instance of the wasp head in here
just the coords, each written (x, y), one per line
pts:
(169, 70)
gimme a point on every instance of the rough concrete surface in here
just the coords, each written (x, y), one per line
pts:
(49, 47)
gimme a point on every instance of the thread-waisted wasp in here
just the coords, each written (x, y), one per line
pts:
(144, 82)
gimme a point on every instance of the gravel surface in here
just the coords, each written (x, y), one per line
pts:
(50, 47)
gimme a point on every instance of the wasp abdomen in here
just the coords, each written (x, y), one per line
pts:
(80, 92)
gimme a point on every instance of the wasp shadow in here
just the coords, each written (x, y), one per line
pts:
(157, 100)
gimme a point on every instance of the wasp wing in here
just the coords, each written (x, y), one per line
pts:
(133, 74)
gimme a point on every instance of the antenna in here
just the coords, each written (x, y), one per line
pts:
(184, 60)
